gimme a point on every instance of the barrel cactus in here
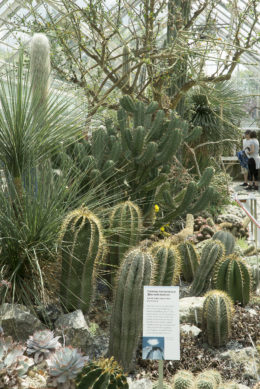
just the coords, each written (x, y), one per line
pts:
(126, 228)
(166, 264)
(208, 379)
(81, 246)
(212, 252)
(189, 260)
(227, 239)
(103, 373)
(126, 319)
(217, 317)
(234, 277)
(183, 379)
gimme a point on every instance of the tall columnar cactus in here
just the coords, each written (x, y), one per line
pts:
(166, 264)
(81, 246)
(126, 228)
(227, 239)
(183, 379)
(126, 65)
(189, 260)
(40, 67)
(234, 277)
(126, 319)
(103, 373)
(212, 252)
(217, 317)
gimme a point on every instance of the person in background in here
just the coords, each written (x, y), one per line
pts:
(253, 160)
(243, 158)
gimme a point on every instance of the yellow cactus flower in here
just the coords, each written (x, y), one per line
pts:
(156, 208)
(162, 229)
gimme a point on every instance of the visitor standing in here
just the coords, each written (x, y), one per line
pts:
(243, 157)
(253, 161)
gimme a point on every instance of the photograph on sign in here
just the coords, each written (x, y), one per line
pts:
(153, 348)
(161, 328)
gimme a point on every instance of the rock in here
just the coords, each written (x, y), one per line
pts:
(144, 383)
(246, 358)
(18, 322)
(74, 329)
(190, 329)
(97, 346)
(190, 309)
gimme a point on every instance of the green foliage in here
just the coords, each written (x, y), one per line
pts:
(166, 264)
(183, 379)
(126, 319)
(212, 252)
(217, 317)
(234, 277)
(125, 224)
(81, 245)
(227, 239)
(104, 373)
(189, 260)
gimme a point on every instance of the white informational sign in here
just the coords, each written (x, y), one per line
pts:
(161, 328)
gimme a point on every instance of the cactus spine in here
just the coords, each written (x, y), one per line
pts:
(212, 252)
(183, 379)
(189, 260)
(81, 245)
(126, 228)
(234, 277)
(227, 239)
(217, 317)
(126, 319)
(166, 264)
(103, 373)
(40, 67)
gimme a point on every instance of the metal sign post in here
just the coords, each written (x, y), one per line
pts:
(160, 383)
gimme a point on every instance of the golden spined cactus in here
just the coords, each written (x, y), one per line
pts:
(217, 317)
(81, 247)
(166, 264)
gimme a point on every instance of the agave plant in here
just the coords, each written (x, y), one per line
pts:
(41, 344)
(64, 366)
(13, 363)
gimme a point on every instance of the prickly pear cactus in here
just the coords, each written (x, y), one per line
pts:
(217, 317)
(227, 239)
(81, 246)
(234, 277)
(189, 260)
(166, 264)
(126, 319)
(212, 252)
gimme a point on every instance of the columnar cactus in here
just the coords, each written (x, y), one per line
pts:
(166, 264)
(183, 379)
(103, 373)
(234, 277)
(212, 252)
(81, 246)
(126, 66)
(189, 260)
(40, 67)
(126, 319)
(217, 317)
(227, 239)
(126, 227)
